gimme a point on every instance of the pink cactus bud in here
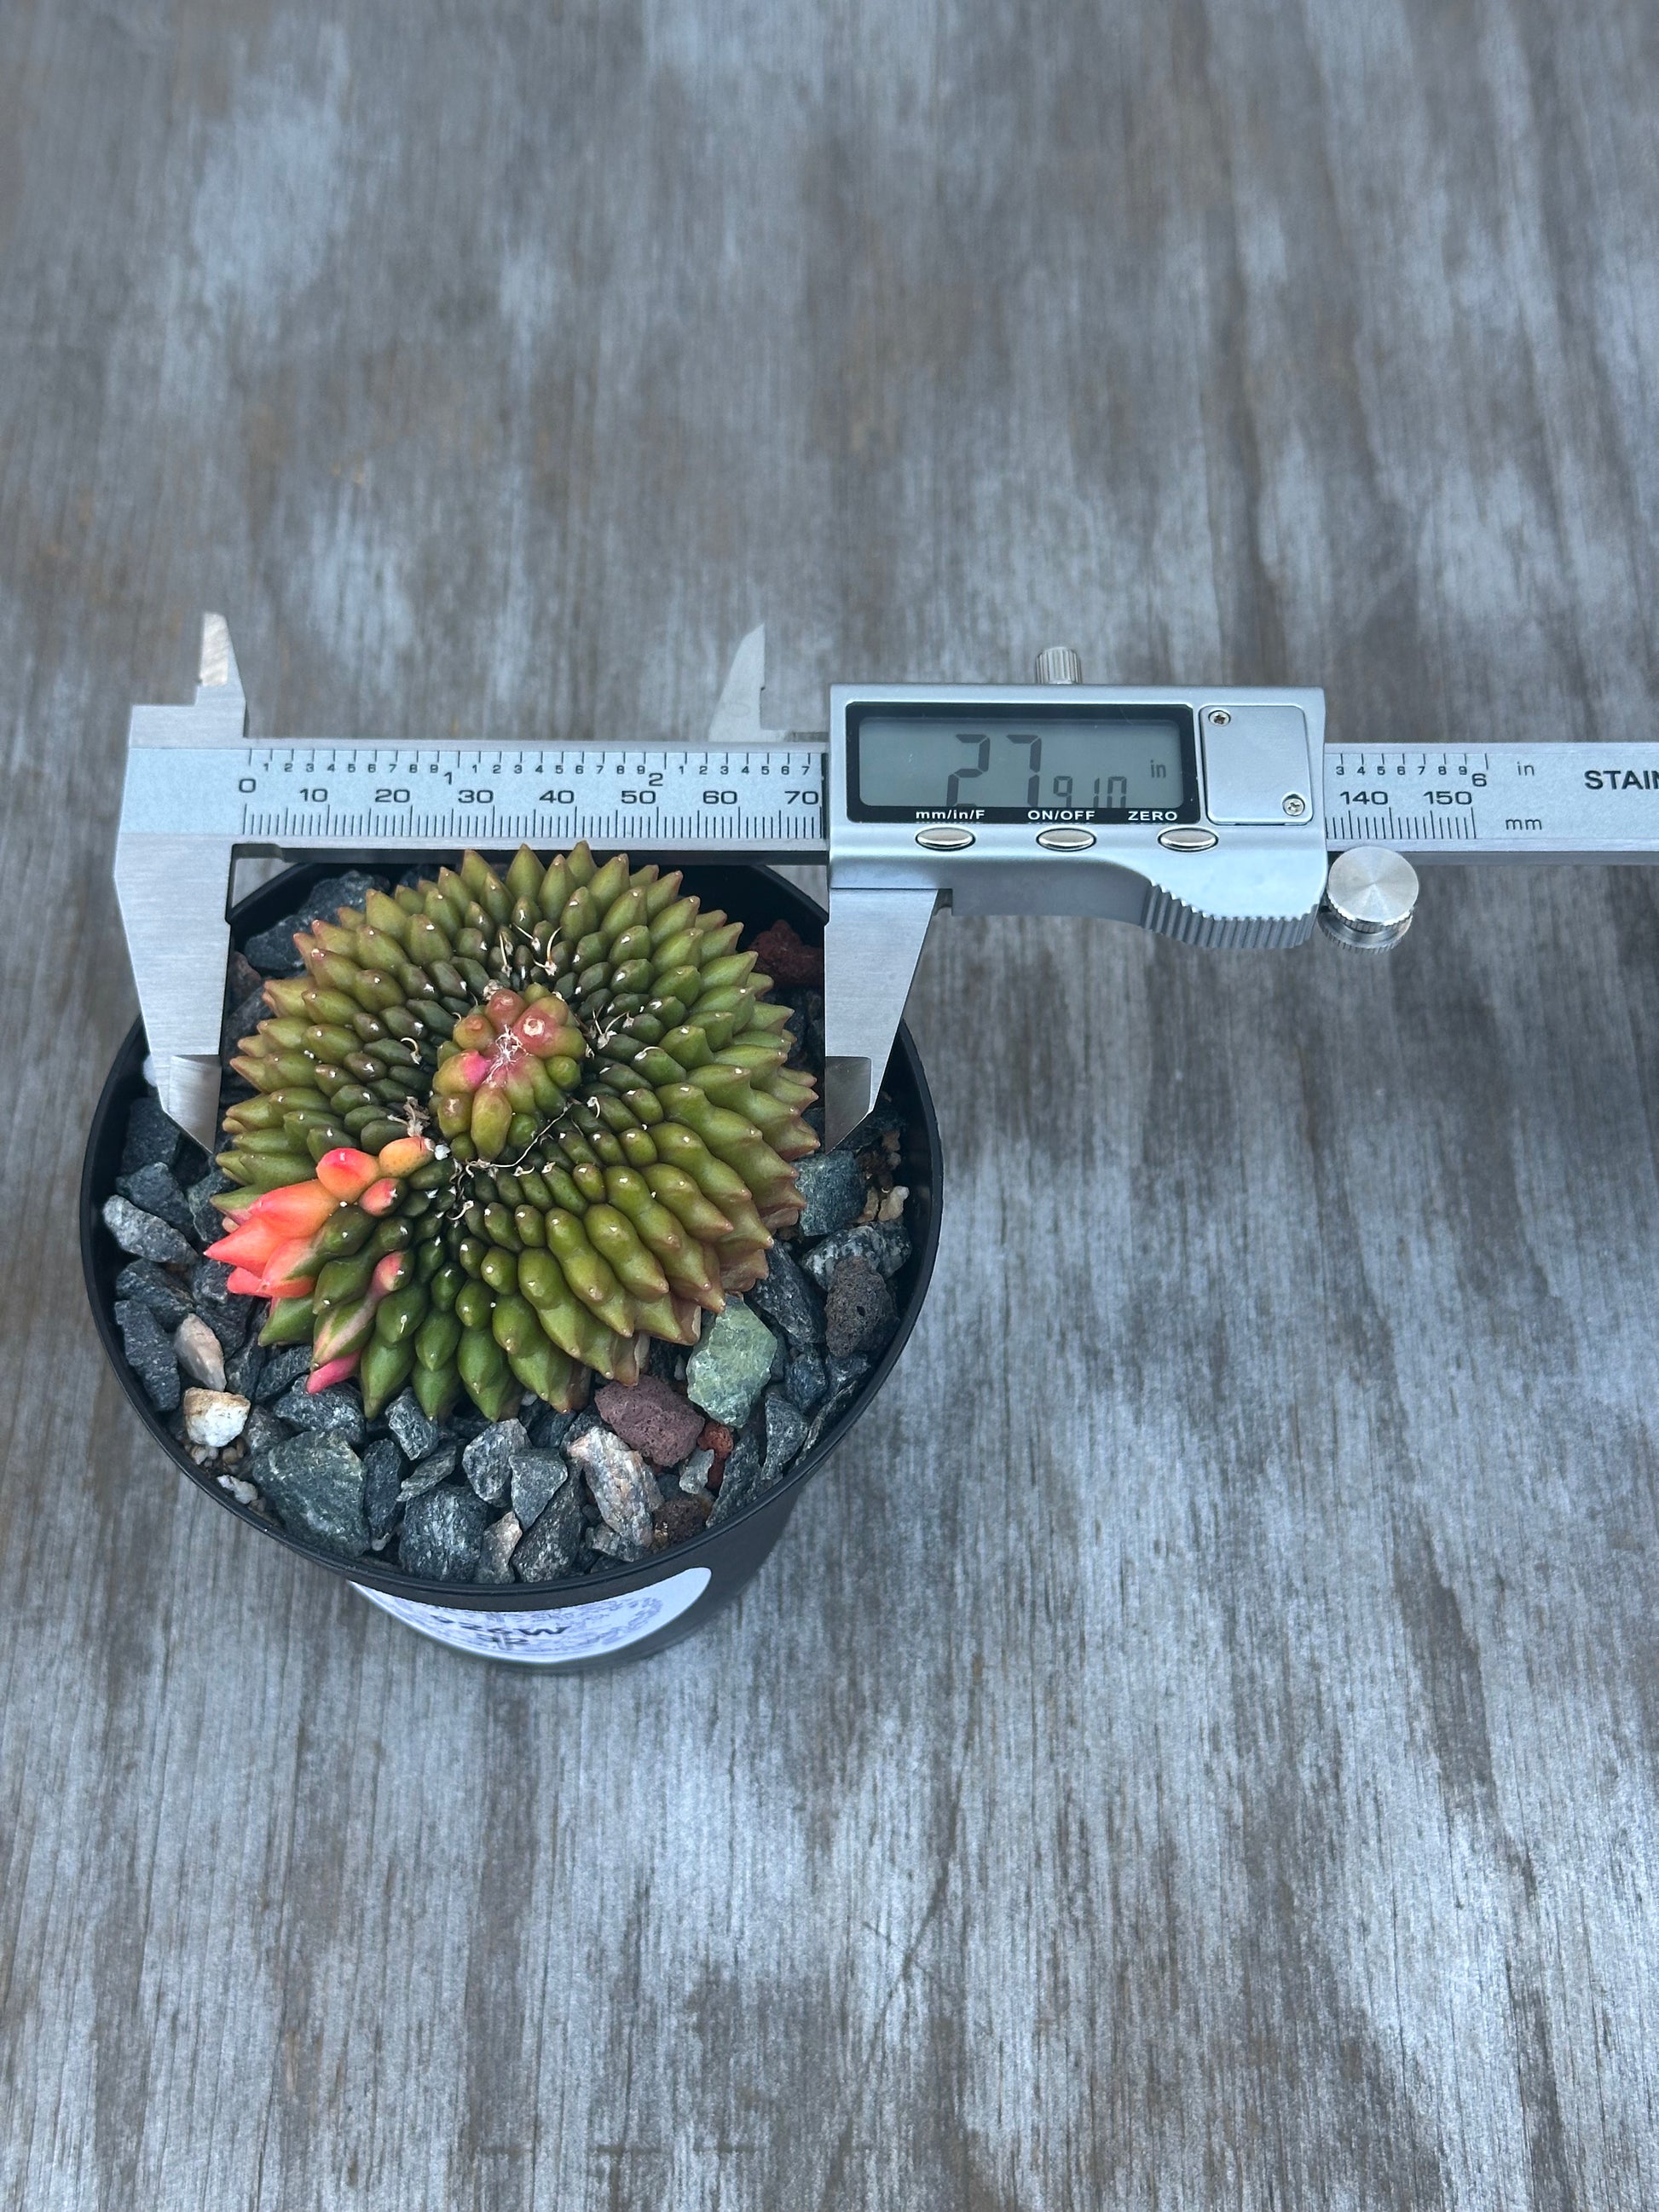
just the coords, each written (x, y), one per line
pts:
(540, 1030)
(503, 1008)
(463, 1071)
(381, 1197)
(331, 1372)
(248, 1246)
(297, 1209)
(345, 1173)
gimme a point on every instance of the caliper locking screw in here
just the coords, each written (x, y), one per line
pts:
(1370, 898)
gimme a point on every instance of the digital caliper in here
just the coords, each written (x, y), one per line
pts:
(1216, 814)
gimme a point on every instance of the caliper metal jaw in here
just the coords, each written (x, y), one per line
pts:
(871, 949)
(172, 885)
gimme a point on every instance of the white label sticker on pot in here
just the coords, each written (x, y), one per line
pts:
(552, 1639)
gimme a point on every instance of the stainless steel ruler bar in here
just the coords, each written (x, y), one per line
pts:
(1552, 801)
(343, 793)
(1215, 814)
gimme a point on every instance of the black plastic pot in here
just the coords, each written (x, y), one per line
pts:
(588, 1620)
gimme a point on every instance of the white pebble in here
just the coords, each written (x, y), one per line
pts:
(245, 1493)
(199, 1351)
(694, 1473)
(892, 1207)
(214, 1418)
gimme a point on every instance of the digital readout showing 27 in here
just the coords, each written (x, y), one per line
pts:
(935, 762)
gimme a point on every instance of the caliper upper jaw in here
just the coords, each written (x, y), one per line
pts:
(173, 892)
(218, 679)
(736, 716)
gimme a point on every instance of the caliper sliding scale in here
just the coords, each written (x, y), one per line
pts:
(1215, 814)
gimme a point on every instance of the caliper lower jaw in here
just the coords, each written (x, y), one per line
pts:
(173, 887)
(172, 891)
(1166, 915)
(872, 944)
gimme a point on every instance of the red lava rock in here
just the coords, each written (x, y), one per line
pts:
(716, 1437)
(676, 1519)
(783, 955)
(661, 1426)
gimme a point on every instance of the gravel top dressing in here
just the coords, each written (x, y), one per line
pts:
(527, 1368)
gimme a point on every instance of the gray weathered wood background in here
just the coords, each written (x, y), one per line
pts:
(1203, 1748)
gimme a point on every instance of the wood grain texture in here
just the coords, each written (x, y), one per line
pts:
(1203, 1747)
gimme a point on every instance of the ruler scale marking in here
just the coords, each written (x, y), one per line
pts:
(1555, 800)
(208, 789)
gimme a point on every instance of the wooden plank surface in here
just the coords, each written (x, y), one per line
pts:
(1199, 1749)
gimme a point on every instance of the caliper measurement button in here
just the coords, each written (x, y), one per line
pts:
(1188, 841)
(1067, 841)
(944, 841)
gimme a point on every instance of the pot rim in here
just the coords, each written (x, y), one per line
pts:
(515, 1597)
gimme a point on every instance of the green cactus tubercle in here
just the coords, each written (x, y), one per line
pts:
(505, 1130)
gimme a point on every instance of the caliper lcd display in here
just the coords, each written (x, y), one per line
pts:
(1061, 762)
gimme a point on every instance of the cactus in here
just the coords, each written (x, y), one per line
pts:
(505, 1131)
